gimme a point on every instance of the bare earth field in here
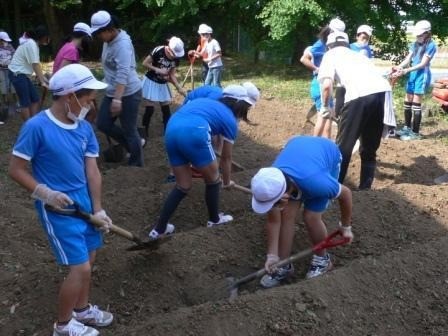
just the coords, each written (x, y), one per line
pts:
(393, 279)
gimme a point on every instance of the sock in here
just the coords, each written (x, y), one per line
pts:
(417, 112)
(174, 198)
(212, 201)
(82, 311)
(62, 324)
(166, 114)
(407, 113)
(149, 111)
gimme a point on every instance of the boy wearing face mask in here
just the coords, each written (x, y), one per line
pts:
(62, 149)
(417, 64)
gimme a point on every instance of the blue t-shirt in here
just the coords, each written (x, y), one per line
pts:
(313, 163)
(417, 54)
(366, 48)
(220, 118)
(57, 151)
(318, 50)
(205, 91)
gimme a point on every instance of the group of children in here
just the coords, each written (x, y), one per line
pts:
(309, 170)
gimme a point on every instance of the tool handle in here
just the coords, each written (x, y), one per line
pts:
(243, 189)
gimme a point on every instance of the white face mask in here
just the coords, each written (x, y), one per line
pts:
(82, 113)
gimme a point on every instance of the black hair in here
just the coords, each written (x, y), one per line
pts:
(338, 44)
(37, 33)
(113, 24)
(323, 34)
(422, 45)
(240, 108)
(80, 93)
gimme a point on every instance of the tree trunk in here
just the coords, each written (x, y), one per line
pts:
(49, 12)
(17, 21)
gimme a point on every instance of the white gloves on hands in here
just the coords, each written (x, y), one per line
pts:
(346, 232)
(103, 217)
(271, 259)
(51, 197)
(228, 186)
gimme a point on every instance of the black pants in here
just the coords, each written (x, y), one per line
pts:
(339, 96)
(361, 118)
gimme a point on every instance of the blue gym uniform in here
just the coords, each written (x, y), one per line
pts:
(57, 153)
(205, 91)
(188, 133)
(317, 50)
(419, 80)
(366, 48)
(313, 163)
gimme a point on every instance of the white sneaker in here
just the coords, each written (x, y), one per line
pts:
(94, 317)
(274, 279)
(74, 328)
(154, 235)
(223, 219)
(319, 265)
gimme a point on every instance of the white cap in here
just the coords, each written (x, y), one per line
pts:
(204, 29)
(422, 27)
(4, 36)
(268, 187)
(82, 27)
(336, 37)
(364, 29)
(337, 25)
(177, 46)
(253, 94)
(237, 92)
(100, 20)
(72, 78)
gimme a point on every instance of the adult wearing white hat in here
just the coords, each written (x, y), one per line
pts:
(362, 114)
(77, 42)
(123, 94)
(417, 64)
(188, 142)
(306, 171)
(62, 149)
(161, 66)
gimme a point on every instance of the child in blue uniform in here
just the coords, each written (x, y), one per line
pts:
(306, 171)
(62, 149)
(418, 61)
(188, 141)
(363, 34)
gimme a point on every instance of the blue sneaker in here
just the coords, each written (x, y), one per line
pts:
(274, 279)
(404, 131)
(410, 136)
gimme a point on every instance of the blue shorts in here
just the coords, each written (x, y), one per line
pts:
(418, 82)
(25, 89)
(315, 94)
(320, 204)
(71, 239)
(188, 140)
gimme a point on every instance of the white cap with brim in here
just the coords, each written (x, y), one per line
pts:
(364, 29)
(337, 36)
(177, 46)
(337, 25)
(237, 92)
(100, 20)
(268, 187)
(205, 29)
(421, 27)
(253, 94)
(5, 37)
(72, 78)
(83, 27)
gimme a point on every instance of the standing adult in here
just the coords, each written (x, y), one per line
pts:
(24, 63)
(62, 149)
(74, 44)
(123, 94)
(188, 142)
(305, 171)
(363, 111)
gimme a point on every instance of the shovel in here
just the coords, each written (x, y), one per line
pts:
(328, 242)
(79, 213)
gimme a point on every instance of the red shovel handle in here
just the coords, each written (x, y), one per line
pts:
(331, 241)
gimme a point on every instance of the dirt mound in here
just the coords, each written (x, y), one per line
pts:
(391, 281)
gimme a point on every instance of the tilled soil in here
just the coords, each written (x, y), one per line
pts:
(393, 279)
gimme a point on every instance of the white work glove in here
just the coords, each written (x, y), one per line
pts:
(346, 232)
(325, 112)
(103, 217)
(51, 197)
(228, 186)
(271, 259)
